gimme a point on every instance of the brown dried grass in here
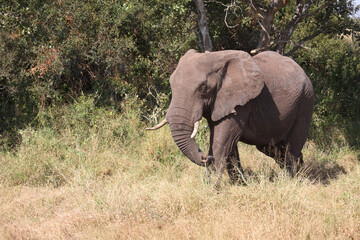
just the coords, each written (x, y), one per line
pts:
(146, 189)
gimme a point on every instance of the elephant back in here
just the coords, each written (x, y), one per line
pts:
(282, 74)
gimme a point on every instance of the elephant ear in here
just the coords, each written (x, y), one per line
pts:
(241, 81)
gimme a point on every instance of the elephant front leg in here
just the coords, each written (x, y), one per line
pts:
(224, 136)
(216, 168)
(234, 169)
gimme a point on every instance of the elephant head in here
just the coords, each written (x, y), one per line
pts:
(211, 83)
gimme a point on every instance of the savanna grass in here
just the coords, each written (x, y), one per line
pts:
(89, 173)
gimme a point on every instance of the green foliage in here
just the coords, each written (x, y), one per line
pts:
(333, 66)
(54, 51)
(58, 52)
(242, 33)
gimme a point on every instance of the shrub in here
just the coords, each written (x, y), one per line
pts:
(334, 69)
(75, 140)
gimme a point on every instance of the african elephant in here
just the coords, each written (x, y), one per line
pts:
(266, 100)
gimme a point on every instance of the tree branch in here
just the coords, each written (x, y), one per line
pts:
(318, 9)
(256, 12)
(307, 38)
(261, 49)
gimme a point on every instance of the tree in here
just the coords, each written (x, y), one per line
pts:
(279, 19)
(204, 36)
(265, 14)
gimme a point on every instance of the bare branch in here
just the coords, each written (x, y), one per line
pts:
(225, 19)
(228, 7)
(257, 9)
(286, 34)
(267, 22)
(231, 5)
(316, 33)
(218, 2)
(299, 15)
(307, 38)
(261, 49)
(256, 12)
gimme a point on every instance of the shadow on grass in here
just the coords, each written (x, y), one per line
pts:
(321, 172)
(316, 172)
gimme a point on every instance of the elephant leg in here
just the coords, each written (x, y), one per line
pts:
(297, 138)
(287, 158)
(290, 160)
(288, 153)
(224, 136)
(275, 151)
(234, 168)
(283, 155)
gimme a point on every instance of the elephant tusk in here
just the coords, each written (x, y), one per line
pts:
(196, 129)
(163, 122)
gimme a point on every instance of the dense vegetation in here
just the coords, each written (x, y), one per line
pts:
(53, 52)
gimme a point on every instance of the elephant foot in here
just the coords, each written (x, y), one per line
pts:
(292, 165)
(296, 166)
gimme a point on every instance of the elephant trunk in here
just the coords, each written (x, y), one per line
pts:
(182, 130)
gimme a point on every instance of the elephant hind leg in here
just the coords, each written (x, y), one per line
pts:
(275, 151)
(297, 138)
(234, 169)
(284, 156)
(288, 152)
(292, 159)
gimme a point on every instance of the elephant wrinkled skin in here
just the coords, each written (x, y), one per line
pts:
(266, 100)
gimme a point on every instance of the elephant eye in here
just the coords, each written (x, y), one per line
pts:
(203, 88)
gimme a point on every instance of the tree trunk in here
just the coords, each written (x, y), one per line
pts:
(205, 40)
(264, 41)
(301, 9)
(267, 14)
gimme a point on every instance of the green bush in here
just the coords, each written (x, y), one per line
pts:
(73, 140)
(55, 51)
(333, 66)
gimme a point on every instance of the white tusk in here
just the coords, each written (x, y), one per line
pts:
(163, 122)
(196, 129)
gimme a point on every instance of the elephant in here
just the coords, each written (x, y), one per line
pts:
(264, 100)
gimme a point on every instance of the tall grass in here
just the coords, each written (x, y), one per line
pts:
(84, 172)
(74, 141)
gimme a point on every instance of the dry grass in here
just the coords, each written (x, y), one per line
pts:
(146, 189)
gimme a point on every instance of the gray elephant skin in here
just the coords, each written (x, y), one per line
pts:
(266, 100)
